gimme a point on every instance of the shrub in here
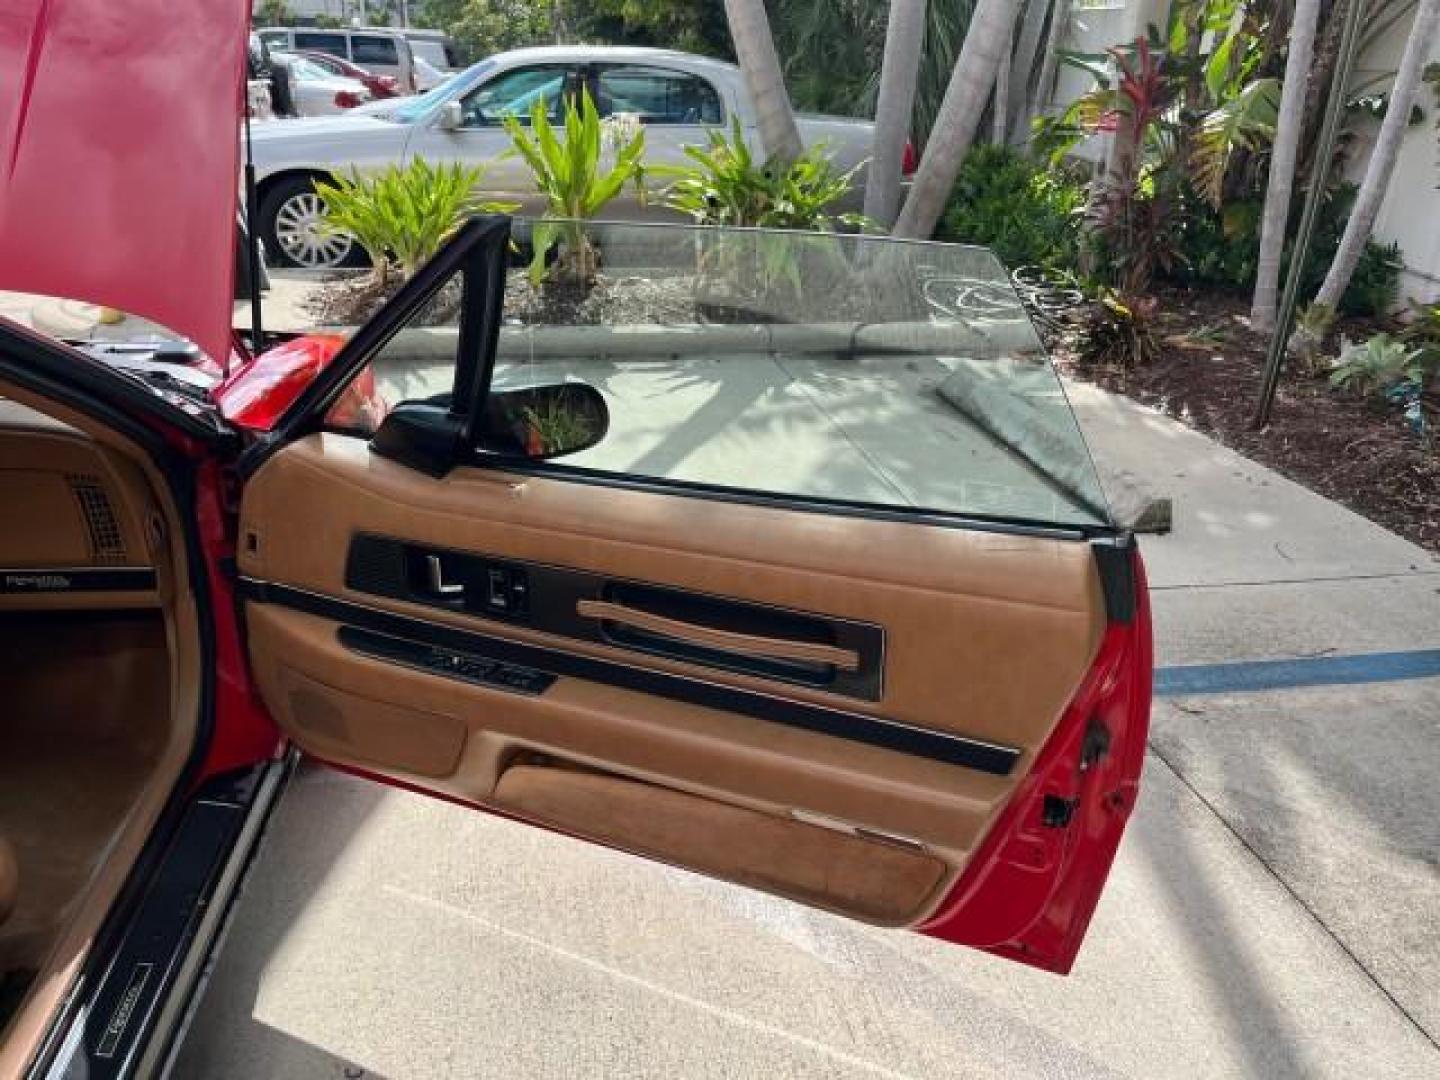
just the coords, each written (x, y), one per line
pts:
(1223, 248)
(402, 216)
(1025, 213)
(727, 185)
(573, 180)
(1376, 365)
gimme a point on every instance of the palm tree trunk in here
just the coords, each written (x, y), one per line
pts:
(970, 85)
(1280, 183)
(760, 64)
(1032, 23)
(904, 45)
(1382, 158)
(1000, 111)
(1045, 85)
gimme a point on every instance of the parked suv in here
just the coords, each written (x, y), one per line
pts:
(383, 52)
(437, 47)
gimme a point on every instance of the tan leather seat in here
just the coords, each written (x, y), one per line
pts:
(9, 879)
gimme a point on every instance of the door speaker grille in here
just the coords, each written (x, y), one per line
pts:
(107, 543)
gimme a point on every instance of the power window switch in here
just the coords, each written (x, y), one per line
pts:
(498, 589)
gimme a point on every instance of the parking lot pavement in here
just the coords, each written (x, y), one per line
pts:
(404, 937)
(1271, 913)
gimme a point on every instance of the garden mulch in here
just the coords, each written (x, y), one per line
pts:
(1357, 452)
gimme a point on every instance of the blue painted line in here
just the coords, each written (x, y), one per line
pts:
(1255, 675)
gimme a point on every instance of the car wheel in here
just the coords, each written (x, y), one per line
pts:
(291, 213)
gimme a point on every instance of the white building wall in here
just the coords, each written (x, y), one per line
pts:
(1410, 214)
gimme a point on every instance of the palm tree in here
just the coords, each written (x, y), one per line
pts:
(1382, 157)
(1279, 187)
(1044, 86)
(904, 43)
(954, 130)
(1027, 44)
(760, 64)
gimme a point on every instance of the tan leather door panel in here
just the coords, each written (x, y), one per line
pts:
(985, 638)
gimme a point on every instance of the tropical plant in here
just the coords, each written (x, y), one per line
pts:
(1375, 365)
(760, 64)
(728, 185)
(1384, 155)
(274, 13)
(1120, 332)
(1221, 247)
(574, 181)
(402, 216)
(482, 27)
(970, 86)
(1026, 213)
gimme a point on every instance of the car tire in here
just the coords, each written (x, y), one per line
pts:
(289, 214)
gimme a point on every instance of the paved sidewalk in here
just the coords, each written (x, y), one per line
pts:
(1273, 911)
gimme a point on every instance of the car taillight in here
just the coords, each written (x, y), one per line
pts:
(347, 99)
(908, 161)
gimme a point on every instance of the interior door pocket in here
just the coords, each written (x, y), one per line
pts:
(871, 879)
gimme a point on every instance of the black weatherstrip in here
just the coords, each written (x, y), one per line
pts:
(856, 727)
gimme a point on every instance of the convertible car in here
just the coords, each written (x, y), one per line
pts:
(777, 557)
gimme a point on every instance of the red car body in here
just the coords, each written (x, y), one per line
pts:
(380, 86)
(70, 174)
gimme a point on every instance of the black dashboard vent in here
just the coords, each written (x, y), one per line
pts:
(107, 543)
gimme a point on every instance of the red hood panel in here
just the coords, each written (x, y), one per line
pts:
(119, 155)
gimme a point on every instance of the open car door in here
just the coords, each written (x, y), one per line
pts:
(777, 557)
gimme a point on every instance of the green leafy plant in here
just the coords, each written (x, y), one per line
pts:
(1120, 332)
(575, 182)
(729, 185)
(402, 216)
(1025, 213)
(1223, 247)
(1376, 365)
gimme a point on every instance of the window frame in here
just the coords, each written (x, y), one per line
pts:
(340, 35)
(391, 42)
(572, 74)
(594, 72)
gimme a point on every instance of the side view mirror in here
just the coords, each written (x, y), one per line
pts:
(541, 422)
(452, 116)
(534, 422)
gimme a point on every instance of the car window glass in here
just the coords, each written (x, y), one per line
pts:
(432, 51)
(373, 49)
(308, 70)
(331, 43)
(279, 39)
(514, 93)
(658, 96)
(810, 366)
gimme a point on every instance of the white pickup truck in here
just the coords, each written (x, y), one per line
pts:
(679, 98)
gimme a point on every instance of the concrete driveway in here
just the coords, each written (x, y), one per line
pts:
(1274, 912)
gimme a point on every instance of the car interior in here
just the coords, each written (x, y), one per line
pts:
(668, 675)
(98, 666)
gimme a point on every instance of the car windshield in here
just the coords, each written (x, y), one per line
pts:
(421, 104)
(858, 369)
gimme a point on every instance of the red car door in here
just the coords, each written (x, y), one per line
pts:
(719, 593)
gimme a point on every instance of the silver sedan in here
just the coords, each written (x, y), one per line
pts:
(679, 98)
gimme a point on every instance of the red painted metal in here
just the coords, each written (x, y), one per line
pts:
(1030, 890)
(243, 732)
(120, 155)
(257, 392)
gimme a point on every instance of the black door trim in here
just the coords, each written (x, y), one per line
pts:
(857, 727)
